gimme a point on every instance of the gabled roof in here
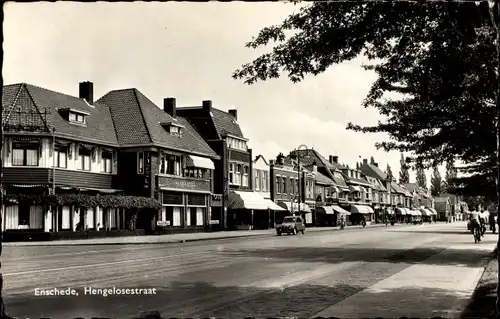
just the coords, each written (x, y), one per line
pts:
(225, 124)
(260, 157)
(373, 171)
(322, 179)
(376, 184)
(354, 180)
(99, 127)
(139, 121)
(310, 156)
(398, 189)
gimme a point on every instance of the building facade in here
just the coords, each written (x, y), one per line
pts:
(61, 166)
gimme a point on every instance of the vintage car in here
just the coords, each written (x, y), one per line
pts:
(291, 225)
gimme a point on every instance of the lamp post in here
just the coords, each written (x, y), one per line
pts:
(297, 157)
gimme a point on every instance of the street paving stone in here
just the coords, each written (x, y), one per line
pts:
(291, 276)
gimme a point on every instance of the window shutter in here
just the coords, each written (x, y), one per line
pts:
(99, 158)
(77, 150)
(70, 150)
(52, 149)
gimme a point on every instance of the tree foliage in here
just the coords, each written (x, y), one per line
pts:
(439, 57)
(388, 171)
(436, 182)
(421, 178)
(404, 173)
(87, 201)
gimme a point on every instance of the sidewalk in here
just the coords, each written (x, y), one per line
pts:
(173, 238)
(440, 286)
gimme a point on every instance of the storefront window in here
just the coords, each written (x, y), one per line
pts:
(25, 154)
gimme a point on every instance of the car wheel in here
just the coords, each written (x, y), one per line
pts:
(295, 231)
(303, 231)
(278, 233)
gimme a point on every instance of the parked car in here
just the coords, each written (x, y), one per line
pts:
(291, 225)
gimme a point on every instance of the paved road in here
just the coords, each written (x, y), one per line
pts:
(292, 276)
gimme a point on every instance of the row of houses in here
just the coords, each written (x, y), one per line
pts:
(121, 164)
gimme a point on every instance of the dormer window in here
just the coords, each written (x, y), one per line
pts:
(235, 143)
(173, 128)
(75, 116)
(78, 118)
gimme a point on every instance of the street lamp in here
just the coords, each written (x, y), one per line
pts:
(297, 155)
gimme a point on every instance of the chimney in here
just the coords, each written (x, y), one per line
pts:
(271, 162)
(315, 167)
(234, 113)
(376, 164)
(207, 106)
(365, 161)
(169, 106)
(87, 91)
(334, 159)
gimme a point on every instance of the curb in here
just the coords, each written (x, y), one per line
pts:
(180, 241)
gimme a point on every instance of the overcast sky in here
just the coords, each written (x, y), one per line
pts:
(189, 51)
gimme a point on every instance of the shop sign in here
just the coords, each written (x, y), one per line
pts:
(163, 223)
(214, 222)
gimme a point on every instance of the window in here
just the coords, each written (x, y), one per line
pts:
(257, 179)
(84, 157)
(78, 118)
(25, 154)
(140, 163)
(245, 176)
(231, 173)
(172, 164)
(173, 214)
(264, 181)
(297, 189)
(60, 157)
(107, 159)
(278, 184)
(236, 144)
(285, 186)
(237, 180)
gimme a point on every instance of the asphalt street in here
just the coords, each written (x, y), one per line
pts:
(287, 276)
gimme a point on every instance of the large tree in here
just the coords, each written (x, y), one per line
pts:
(420, 177)
(441, 58)
(404, 172)
(450, 177)
(388, 171)
(436, 182)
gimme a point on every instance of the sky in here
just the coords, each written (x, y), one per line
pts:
(189, 51)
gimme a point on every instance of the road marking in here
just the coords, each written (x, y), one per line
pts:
(85, 266)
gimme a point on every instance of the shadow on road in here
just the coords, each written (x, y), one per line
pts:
(439, 232)
(202, 299)
(465, 257)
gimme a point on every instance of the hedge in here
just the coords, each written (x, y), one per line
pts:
(87, 201)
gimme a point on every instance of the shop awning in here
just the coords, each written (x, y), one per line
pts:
(434, 212)
(325, 209)
(246, 200)
(416, 213)
(429, 212)
(361, 209)
(401, 211)
(273, 206)
(340, 210)
(199, 162)
(335, 189)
